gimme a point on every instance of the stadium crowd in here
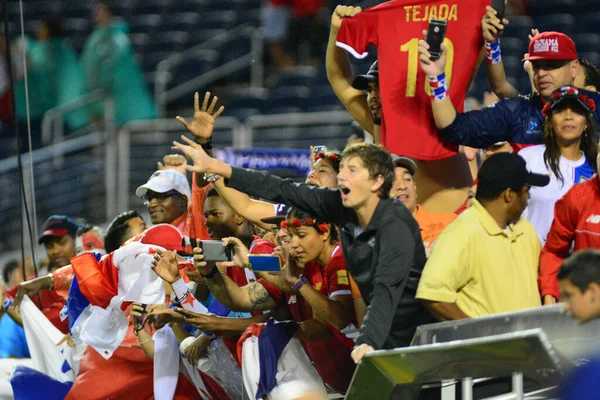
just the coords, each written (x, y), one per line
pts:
(433, 215)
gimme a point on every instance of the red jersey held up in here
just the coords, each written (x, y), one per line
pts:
(331, 357)
(395, 28)
(576, 219)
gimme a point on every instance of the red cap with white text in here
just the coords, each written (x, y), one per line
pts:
(551, 46)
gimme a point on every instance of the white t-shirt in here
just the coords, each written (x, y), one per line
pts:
(540, 209)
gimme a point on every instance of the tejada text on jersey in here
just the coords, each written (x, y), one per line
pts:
(448, 12)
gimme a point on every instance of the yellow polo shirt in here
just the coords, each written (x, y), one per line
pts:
(482, 268)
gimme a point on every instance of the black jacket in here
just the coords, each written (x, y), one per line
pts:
(385, 260)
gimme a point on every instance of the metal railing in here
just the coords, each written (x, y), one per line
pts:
(74, 187)
(53, 122)
(253, 59)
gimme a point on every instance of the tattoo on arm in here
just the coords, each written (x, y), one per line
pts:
(259, 297)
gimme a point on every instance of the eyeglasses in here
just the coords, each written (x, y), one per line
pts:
(160, 197)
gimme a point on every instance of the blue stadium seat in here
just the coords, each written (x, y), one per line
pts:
(125, 8)
(587, 6)
(519, 27)
(249, 98)
(77, 27)
(189, 5)
(173, 41)
(282, 110)
(151, 60)
(513, 65)
(79, 10)
(324, 108)
(139, 41)
(203, 35)
(295, 76)
(42, 9)
(218, 20)
(564, 23)
(236, 49)
(587, 42)
(514, 46)
(187, 21)
(151, 7)
(588, 22)
(321, 95)
(147, 23)
(288, 96)
(194, 67)
(241, 6)
(250, 17)
(592, 56)
(242, 113)
(554, 7)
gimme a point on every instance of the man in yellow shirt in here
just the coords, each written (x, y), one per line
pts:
(405, 190)
(486, 262)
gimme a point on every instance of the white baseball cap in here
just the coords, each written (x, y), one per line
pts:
(165, 180)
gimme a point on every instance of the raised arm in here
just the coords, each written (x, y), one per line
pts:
(492, 28)
(243, 205)
(478, 129)
(324, 203)
(339, 73)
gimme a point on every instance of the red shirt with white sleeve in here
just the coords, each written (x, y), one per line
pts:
(331, 357)
(395, 27)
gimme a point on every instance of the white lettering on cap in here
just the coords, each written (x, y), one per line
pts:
(546, 45)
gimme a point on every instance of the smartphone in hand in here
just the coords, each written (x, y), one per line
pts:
(435, 37)
(265, 263)
(500, 7)
(320, 149)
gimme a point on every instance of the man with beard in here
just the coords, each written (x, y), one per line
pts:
(486, 262)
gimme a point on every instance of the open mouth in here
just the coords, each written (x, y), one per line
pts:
(402, 197)
(344, 190)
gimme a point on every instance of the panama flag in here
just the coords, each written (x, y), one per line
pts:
(101, 288)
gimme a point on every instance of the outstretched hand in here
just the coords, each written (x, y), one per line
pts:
(166, 266)
(203, 123)
(195, 153)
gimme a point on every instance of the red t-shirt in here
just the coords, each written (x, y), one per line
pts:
(395, 27)
(331, 357)
(244, 276)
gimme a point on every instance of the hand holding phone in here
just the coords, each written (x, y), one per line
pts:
(264, 263)
(435, 37)
(320, 149)
(500, 7)
(213, 250)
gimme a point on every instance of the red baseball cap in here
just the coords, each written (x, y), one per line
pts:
(551, 46)
(163, 235)
(58, 226)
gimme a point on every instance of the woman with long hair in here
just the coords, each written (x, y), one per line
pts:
(568, 154)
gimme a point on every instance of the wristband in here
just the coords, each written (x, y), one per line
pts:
(493, 54)
(437, 85)
(302, 280)
(180, 290)
(211, 274)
